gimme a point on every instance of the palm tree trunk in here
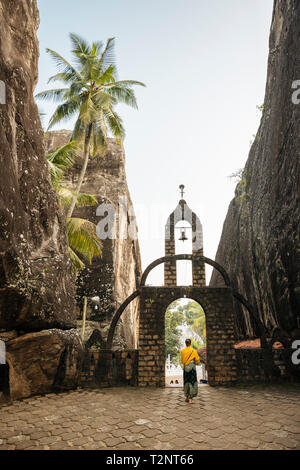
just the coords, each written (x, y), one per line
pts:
(83, 170)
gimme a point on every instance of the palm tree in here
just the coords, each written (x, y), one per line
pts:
(83, 240)
(82, 235)
(59, 161)
(92, 92)
(195, 318)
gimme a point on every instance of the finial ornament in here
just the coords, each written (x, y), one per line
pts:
(181, 187)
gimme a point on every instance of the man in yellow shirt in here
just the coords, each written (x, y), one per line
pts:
(189, 359)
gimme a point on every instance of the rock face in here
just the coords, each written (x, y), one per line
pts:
(115, 276)
(37, 285)
(41, 362)
(259, 245)
(36, 278)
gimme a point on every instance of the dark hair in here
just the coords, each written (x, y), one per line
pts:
(188, 342)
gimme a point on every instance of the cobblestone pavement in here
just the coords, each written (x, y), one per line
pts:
(254, 417)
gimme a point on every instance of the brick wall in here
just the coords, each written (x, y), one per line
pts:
(183, 212)
(198, 269)
(218, 306)
(109, 368)
(266, 365)
(170, 270)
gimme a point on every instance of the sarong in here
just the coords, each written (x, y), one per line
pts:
(190, 380)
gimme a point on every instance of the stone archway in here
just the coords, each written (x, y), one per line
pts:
(219, 309)
(218, 295)
(182, 310)
(151, 266)
(218, 304)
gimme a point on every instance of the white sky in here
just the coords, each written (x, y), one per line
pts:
(204, 64)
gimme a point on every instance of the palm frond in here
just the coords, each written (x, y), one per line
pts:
(55, 175)
(61, 159)
(129, 83)
(88, 110)
(84, 56)
(63, 65)
(83, 238)
(79, 131)
(104, 77)
(102, 99)
(108, 56)
(76, 88)
(67, 78)
(67, 195)
(78, 265)
(84, 199)
(64, 156)
(97, 47)
(55, 94)
(123, 95)
(65, 110)
(79, 44)
(114, 123)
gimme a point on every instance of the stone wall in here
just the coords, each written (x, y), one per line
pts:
(260, 242)
(115, 276)
(109, 368)
(218, 306)
(266, 365)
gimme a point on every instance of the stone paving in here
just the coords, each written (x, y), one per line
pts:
(257, 417)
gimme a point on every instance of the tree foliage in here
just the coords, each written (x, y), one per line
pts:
(90, 92)
(195, 318)
(174, 319)
(181, 316)
(84, 245)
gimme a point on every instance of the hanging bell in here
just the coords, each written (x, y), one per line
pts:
(183, 236)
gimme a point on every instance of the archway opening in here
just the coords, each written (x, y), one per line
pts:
(183, 245)
(184, 318)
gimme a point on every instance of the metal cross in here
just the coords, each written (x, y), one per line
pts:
(181, 187)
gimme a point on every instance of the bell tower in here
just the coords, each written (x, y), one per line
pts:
(183, 212)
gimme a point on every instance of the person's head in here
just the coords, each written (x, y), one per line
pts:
(188, 342)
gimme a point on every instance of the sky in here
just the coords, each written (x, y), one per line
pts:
(204, 63)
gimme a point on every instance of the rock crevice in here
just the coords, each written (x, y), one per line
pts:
(260, 246)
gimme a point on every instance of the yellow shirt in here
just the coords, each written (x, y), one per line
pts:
(188, 354)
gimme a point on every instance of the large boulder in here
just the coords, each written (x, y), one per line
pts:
(44, 362)
(260, 243)
(116, 275)
(36, 278)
